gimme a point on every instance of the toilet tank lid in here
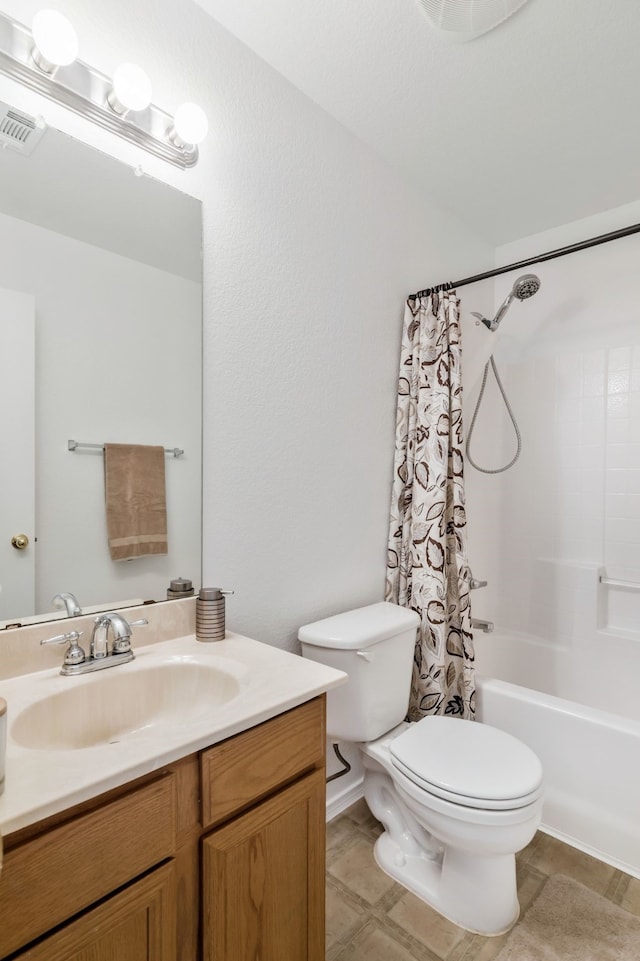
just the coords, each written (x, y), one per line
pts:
(360, 628)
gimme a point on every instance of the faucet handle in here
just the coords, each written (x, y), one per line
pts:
(139, 623)
(74, 653)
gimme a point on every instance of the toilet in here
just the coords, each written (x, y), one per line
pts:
(457, 798)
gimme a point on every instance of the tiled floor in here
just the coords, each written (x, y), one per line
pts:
(371, 918)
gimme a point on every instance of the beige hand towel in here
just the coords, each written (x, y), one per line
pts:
(136, 500)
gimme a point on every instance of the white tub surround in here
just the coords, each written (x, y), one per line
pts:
(580, 650)
(564, 573)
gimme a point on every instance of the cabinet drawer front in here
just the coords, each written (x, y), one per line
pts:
(50, 878)
(136, 924)
(247, 767)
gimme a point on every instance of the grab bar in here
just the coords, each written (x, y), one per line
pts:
(614, 582)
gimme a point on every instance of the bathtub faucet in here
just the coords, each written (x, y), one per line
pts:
(478, 625)
(474, 583)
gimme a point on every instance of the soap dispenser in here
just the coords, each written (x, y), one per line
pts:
(210, 613)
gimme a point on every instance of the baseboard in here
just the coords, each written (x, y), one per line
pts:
(344, 798)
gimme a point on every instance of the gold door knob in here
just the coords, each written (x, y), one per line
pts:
(20, 541)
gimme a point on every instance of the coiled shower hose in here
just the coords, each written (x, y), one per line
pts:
(497, 470)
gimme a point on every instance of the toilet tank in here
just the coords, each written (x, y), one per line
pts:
(374, 645)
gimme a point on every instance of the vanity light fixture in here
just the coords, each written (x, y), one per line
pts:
(55, 42)
(44, 59)
(190, 125)
(131, 89)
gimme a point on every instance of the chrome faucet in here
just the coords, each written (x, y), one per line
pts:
(69, 601)
(121, 629)
(121, 643)
(100, 657)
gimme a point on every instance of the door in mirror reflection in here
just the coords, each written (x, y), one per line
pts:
(17, 443)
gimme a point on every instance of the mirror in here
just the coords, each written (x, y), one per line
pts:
(101, 337)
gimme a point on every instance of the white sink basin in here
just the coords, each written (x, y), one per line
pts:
(72, 738)
(113, 705)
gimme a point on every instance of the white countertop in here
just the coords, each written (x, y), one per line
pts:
(41, 782)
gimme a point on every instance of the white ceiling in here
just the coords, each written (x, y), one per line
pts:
(530, 126)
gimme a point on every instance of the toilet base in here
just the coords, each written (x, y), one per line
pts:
(474, 888)
(457, 896)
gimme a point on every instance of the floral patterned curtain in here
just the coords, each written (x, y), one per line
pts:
(428, 568)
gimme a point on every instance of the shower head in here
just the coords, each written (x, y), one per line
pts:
(524, 287)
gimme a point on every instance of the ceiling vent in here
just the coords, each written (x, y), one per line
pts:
(18, 130)
(462, 20)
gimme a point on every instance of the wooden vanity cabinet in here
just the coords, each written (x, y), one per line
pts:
(218, 857)
(263, 871)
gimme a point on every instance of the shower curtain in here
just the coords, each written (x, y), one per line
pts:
(427, 568)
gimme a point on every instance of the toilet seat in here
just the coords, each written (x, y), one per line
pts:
(468, 763)
(460, 811)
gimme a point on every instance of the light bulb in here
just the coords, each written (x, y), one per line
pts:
(190, 125)
(131, 89)
(56, 42)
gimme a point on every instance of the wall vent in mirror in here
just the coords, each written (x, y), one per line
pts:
(45, 60)
(18, 130)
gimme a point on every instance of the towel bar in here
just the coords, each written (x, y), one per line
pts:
(75, 445)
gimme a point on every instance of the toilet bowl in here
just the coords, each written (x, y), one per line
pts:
(463, 863)
(457, 798)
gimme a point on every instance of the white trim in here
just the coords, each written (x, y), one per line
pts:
(344, 800)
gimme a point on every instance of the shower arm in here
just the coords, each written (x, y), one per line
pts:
(493, 325)
(502, 310)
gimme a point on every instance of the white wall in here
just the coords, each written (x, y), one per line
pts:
(310, 247)
(107, 360)
(570, 360)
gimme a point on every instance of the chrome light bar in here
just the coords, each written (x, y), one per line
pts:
(80, 88)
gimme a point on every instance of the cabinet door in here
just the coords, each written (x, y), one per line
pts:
(136, 925)
(263, 880)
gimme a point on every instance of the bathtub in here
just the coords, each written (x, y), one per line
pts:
(591, 757)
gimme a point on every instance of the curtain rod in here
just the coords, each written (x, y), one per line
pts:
(541, 258)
